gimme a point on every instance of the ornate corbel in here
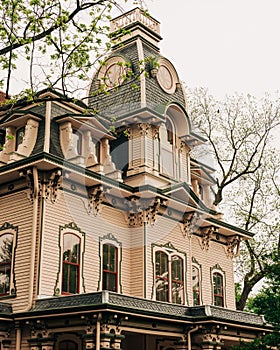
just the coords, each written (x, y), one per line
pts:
(187, 223)
(206, 233)
(96, 196)
(232, 247)
(52, 186)
(28, 175)
(140, 212)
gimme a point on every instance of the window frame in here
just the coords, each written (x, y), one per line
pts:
(110, 240)
(108, 272)
(196, 291)
(71, 228)
(78, 142)
(217, 271)
(68, 264)
(170, 252)
(18, 130)
(6, 229)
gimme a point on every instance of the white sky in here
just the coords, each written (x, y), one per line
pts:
(225, 45)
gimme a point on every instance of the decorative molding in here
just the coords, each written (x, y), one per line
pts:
(186, 225)
(28, 175)
(144, 128)
(7, 226)
(155, 131)
(112, 240)
(96, 195)
(70, 228)
(206, 233)
(142, 211)
(50, 185)
(232, 247)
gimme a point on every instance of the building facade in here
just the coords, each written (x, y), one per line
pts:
(108, 235)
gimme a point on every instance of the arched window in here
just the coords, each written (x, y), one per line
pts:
(218, 289)
(6, 256)
(196, 285)
(177, 279)
(169, 280)
(68, 345)
(170, 131)
(71, 264)
(110, 268)
(168, 151)
(162, 278)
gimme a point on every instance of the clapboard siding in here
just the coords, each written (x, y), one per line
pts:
(208, 259)
(18, 211)
(71, 208)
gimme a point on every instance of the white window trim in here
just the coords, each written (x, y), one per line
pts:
(217, 269)
(198, 266)
(7, 228)
(170, 251)
(70, 228)
(110, 239)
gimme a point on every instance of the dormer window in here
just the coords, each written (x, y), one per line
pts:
(20, 133)
(21, 136)
(77, 139)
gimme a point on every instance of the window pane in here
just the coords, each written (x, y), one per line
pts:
(177, 293)
(71, 244)
(162, 290)
(218, 289)
(6, 247)
(161, 264)
(70, 278)
(109, 281)
(71, 263)
(20, 136)
(77, 141)
(162, 278)
(177, 268)
(196, 286)
(109, 257)
(177, 280)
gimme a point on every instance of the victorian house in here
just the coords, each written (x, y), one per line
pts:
(108, 236)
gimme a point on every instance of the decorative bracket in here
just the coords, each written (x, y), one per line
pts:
(96, 196)
(206, 233)
(142, 211)
(232, 247)
(187, 223)
(51, 185)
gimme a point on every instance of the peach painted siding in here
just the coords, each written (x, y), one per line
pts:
(17, 210)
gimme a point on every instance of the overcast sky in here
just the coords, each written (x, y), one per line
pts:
(225, 45)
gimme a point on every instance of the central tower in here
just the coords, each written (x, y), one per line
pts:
(139, 90)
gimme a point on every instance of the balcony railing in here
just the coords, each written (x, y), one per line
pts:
(136, 15)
